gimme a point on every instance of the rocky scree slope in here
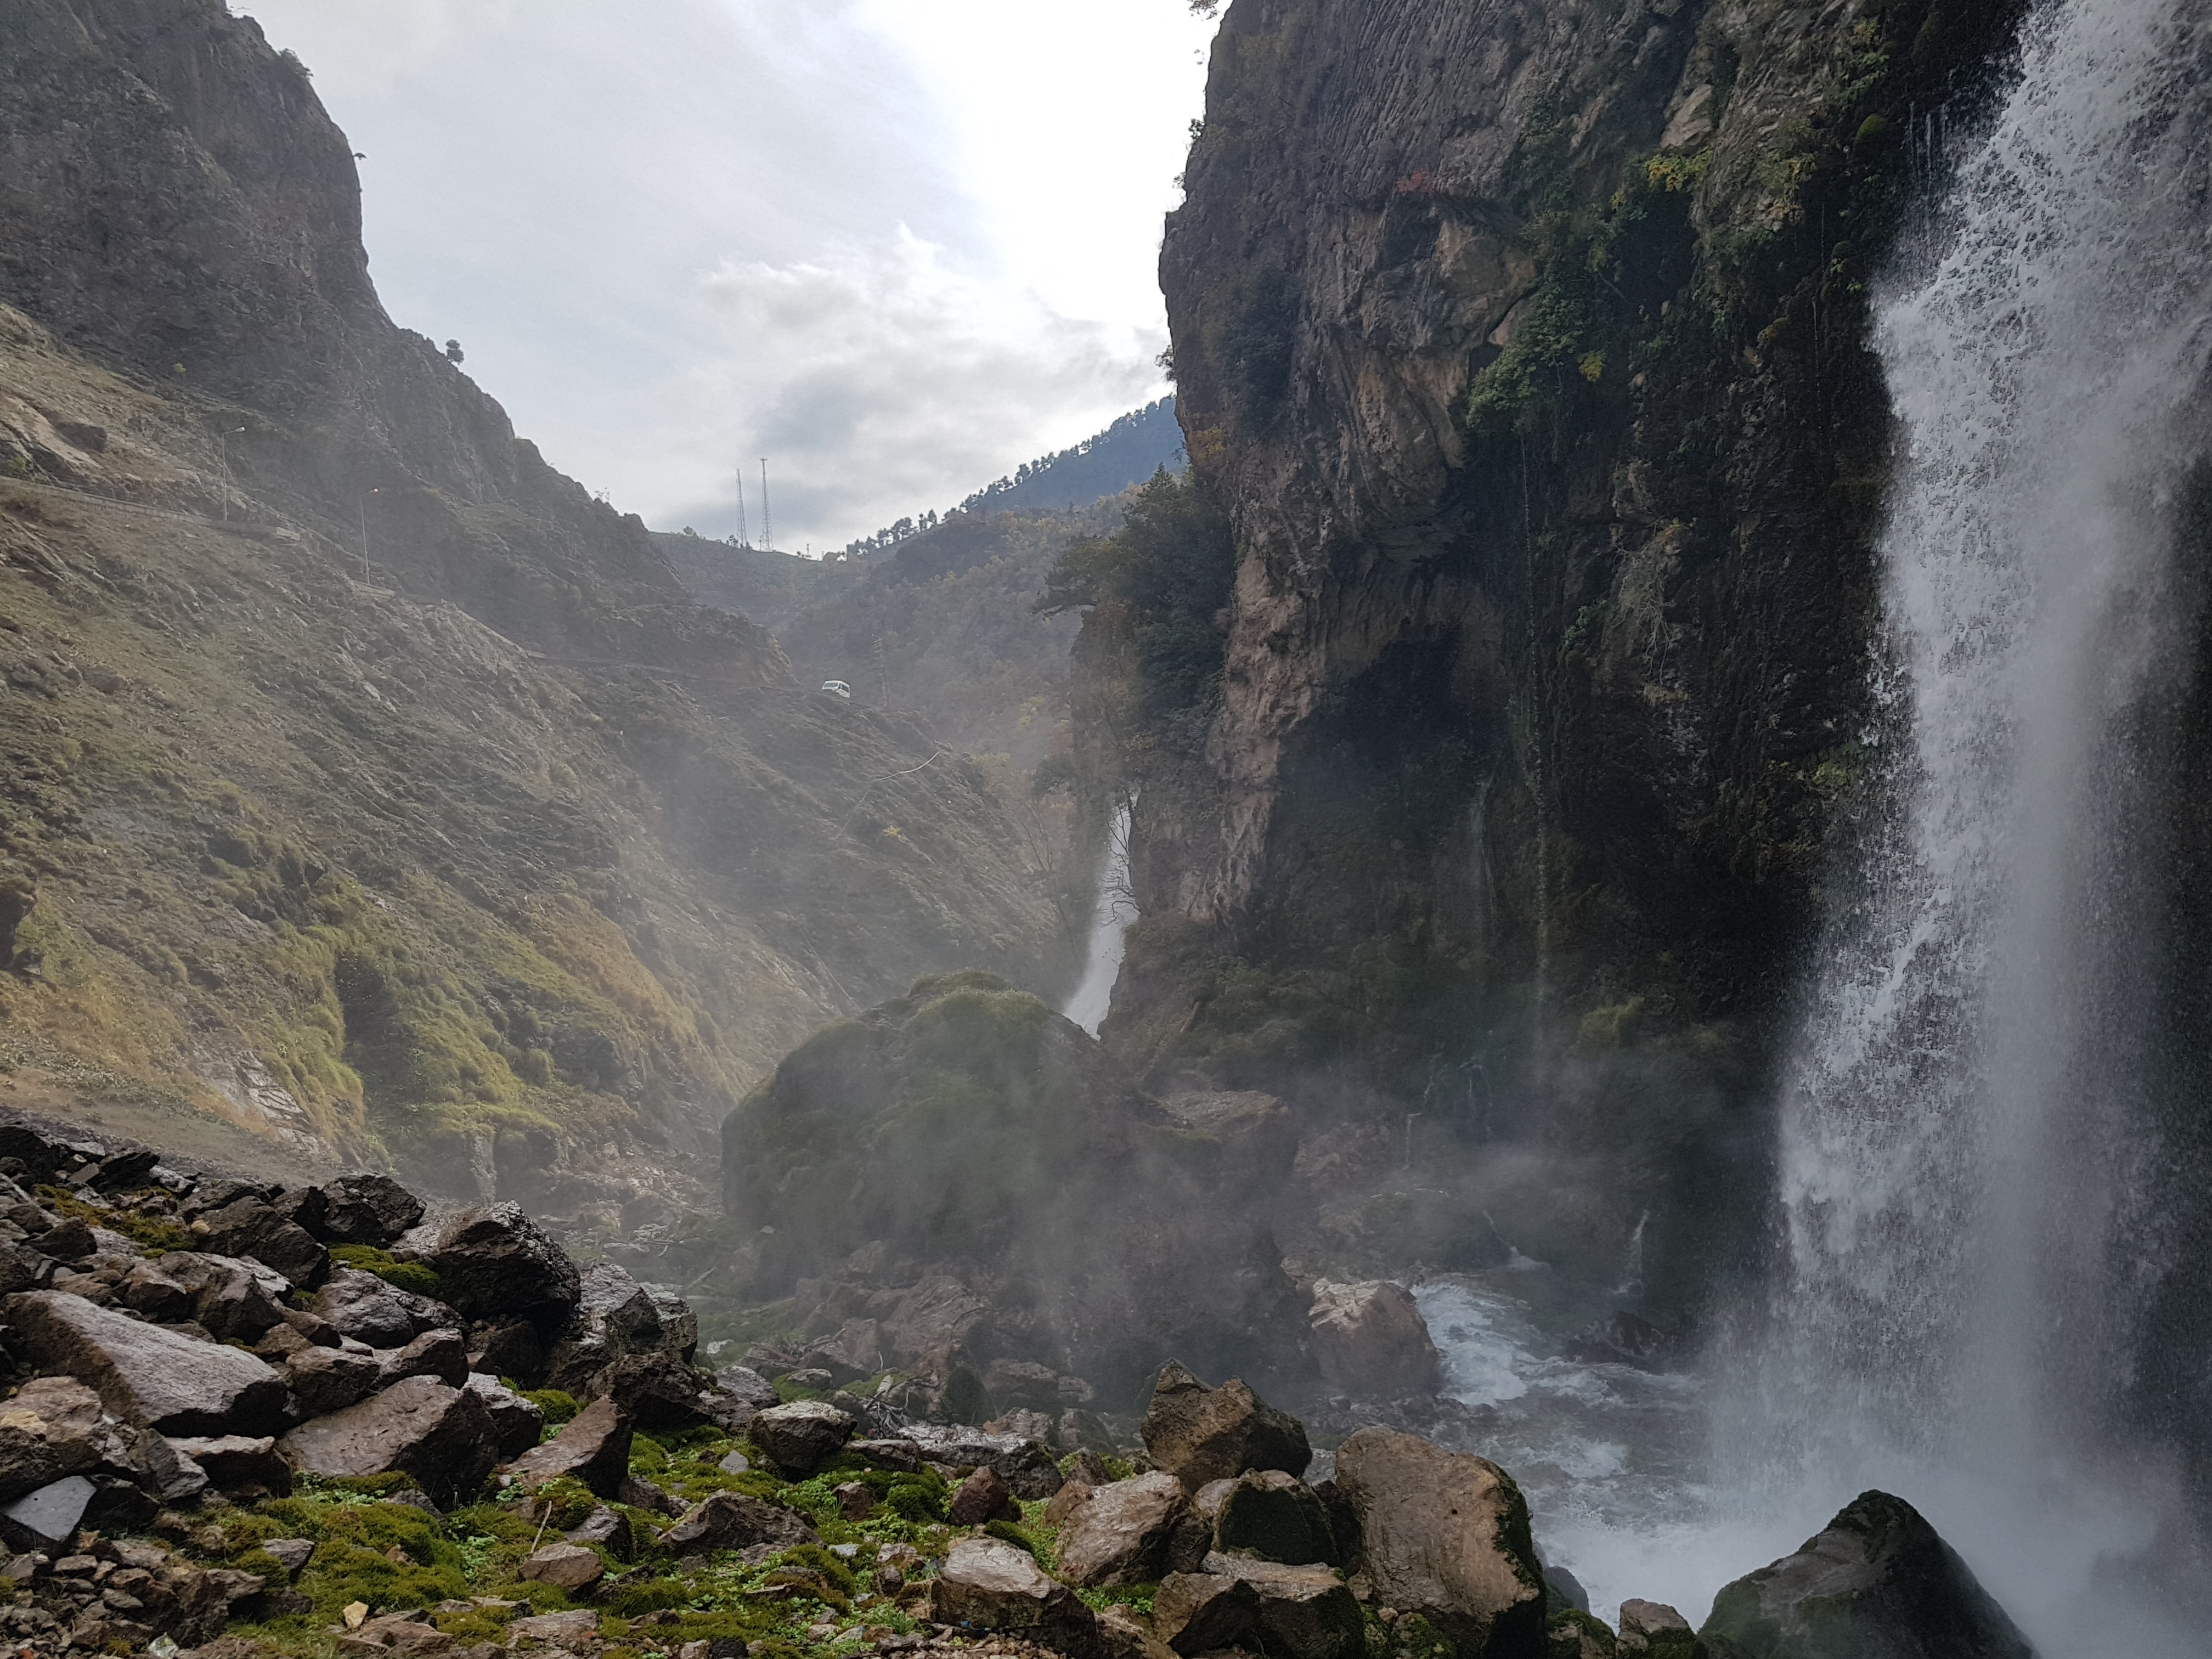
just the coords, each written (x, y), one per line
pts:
(260, 1420)
(506, 861)
(1523, 350)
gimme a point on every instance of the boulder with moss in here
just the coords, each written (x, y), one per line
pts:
(1876, 1583)
(966, 1122)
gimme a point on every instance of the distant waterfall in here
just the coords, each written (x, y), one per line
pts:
(1963, 1134)
(1114, 909)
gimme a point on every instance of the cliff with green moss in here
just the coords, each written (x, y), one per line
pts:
(368, 788)
(1523, 351)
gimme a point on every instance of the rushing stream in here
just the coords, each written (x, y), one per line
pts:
(1966, 1152)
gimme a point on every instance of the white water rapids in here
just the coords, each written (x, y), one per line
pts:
(1964, 1151)
(1114, 909)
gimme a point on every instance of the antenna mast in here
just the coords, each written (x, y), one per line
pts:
(743, 538)
(768, 528)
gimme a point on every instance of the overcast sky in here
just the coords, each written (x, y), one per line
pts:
(897, 246)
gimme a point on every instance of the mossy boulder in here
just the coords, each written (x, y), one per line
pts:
(966, 1122)
(1877, 1582)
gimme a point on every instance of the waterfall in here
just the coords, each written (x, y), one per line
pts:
(1111, 914)
(1965, 1143)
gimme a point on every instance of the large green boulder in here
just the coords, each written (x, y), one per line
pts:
(966, 1123)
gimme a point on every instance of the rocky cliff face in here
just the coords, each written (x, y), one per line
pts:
(1524, 346)
(179, 206)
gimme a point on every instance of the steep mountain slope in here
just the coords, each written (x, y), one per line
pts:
(376, 789)
(1127, 453)
(1523, 350)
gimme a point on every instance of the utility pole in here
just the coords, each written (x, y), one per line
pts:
(364, 538)
(743, 538)
(768, 525)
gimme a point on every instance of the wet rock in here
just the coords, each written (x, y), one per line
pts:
(659, 1391)
(240, 1465)
(641, 1494)
(1369, 1338)
(1305, 1612)
(290, 1553)
(743, 1383)
(330, 1379)
(516, 1424)
(1562, 1590)
(1022, 1382)
(151, 1293)
(409, 1633)
(730, 1520)
(442, 1354)
(591, 1446)
(67, 1239)
(47, 1518)
(1196, 1613)
(900, 1455)
(1029, 1469)
(566, 1566)
(250, 1227)
(1445, 1535)
(1572, 1633)
(495, 1262)
(982, 1497)
(363, 1307)
(1877, 1582)
(167, 1475)
(22, 1268)
(440, 1436)
(1200, 1434)
(799, 1438)
(1065, 1501)
(608, 1529)
(510, 1348)
(1119, 1633)
(1084, 1431)
(578, 1630)
(50, 1429)
(1268, 1514)
(857, 1499)
(146, 1374)
(615, 1316)
(997, 1586)
(1121, 1536)
(366, 1209)
(1656, 1629)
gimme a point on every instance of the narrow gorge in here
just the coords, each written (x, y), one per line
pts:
(1544, 996)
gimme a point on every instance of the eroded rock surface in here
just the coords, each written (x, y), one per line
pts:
(145, 1373)
(1445, 1535)
(419, 1426)
(1202, 1434)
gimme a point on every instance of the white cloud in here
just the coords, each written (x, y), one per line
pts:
(670, 234)
(882, 372)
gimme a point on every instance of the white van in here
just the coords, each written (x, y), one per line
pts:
(838, 689)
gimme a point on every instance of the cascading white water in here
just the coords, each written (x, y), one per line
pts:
(1962, 1135)
(1111, 914)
